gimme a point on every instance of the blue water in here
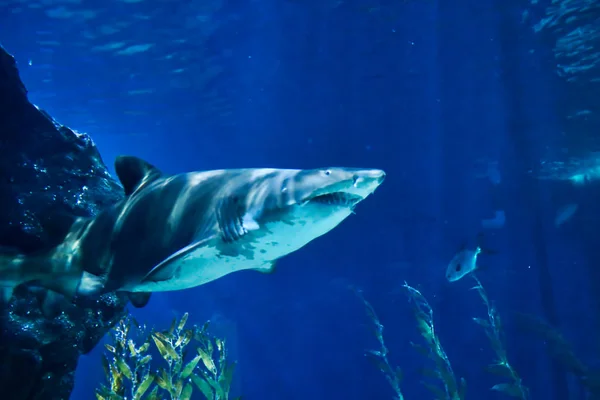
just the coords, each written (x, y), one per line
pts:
(456, 101)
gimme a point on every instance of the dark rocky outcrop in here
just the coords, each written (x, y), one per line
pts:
(46, 170)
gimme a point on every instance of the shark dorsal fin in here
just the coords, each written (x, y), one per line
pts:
(133, 172)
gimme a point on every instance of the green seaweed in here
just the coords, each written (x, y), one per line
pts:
(130, 372)
(380, 357)
(501, 366)
(453, 389)
(561, 350)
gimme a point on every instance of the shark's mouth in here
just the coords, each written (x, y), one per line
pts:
(337, 199)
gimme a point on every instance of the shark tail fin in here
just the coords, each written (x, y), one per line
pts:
(6, 293)
(10, 272)
(39, 270)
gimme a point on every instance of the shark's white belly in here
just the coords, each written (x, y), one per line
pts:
(198, 267)
(206, 263)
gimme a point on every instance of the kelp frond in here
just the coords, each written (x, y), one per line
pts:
(561, 350)
(453, 389)
(380, 357)
(131, 373)
(501, 366)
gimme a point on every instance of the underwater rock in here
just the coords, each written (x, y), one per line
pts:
(48, 174)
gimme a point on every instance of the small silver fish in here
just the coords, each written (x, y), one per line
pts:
(463, 263)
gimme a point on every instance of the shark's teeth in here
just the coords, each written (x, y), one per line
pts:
(337, 199)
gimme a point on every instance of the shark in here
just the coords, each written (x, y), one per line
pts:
(174, 232)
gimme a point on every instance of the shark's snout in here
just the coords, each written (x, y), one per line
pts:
(336, 186)
(376, 175)
(369, 174)
(366, 181)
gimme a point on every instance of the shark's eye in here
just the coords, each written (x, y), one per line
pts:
(458, 267)
(327, 172)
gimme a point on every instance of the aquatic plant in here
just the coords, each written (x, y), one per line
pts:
(380, 357)
(453, 389)
(501, 366)
(561, 350)
(130, 372)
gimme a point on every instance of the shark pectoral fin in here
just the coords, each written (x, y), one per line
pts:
(139, 299)
(233, 221)
(267, 268)
(167, 268)
(134, 172)
(162, 272)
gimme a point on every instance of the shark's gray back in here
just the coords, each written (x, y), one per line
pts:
(129, 239)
